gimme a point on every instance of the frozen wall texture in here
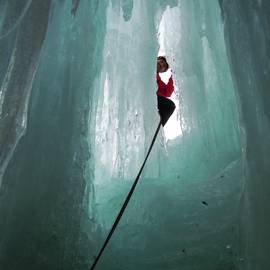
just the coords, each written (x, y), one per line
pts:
(77, 114)
(246, 26)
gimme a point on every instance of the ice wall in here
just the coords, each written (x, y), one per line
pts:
(78, 111)
(42, 200)
(248, 45)
(17, 76)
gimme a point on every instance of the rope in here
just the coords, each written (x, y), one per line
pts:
(121, 212)
(18, 21)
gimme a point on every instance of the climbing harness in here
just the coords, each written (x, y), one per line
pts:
(121, 212)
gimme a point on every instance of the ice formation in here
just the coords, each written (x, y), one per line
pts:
(77, 114)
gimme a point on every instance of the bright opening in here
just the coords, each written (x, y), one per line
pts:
(172, 128)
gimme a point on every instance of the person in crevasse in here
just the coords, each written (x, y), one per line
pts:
(166, 106)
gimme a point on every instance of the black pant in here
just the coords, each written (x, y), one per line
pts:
(166, 108)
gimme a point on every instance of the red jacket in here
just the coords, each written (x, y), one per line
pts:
(164, 90)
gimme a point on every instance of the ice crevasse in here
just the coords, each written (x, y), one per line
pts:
(77, 115)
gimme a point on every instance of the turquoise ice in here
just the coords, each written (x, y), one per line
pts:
(77, 115)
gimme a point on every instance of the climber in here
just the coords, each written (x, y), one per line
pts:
(165, 106)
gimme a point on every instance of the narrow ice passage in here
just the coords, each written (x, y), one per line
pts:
(77, 115)
(167, 208)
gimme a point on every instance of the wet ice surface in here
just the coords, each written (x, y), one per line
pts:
(167, 225)
(78, 112)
